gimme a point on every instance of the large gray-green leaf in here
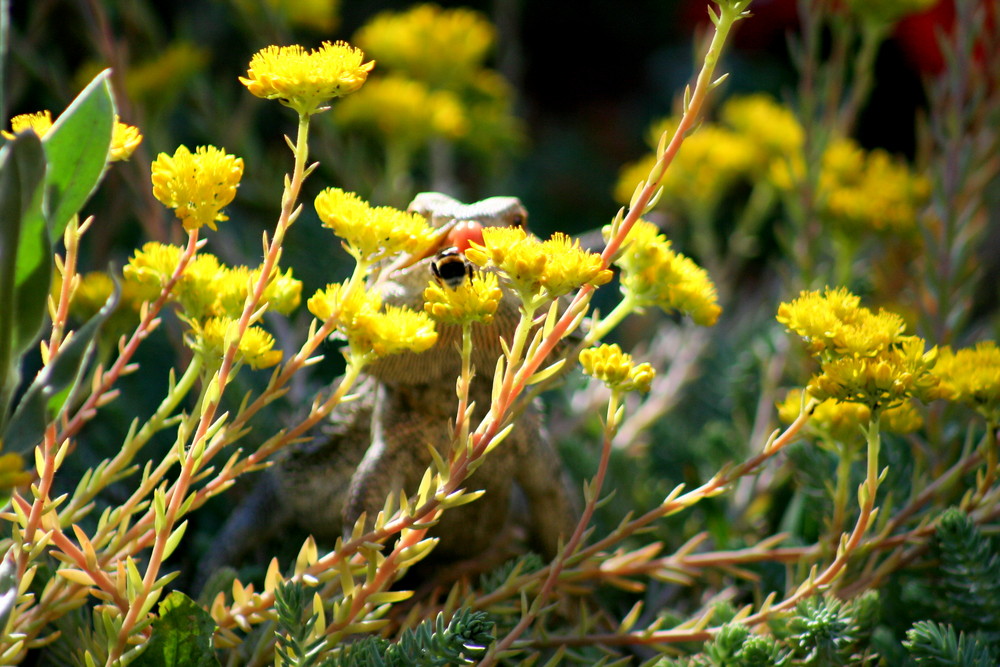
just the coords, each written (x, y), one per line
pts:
(25, 256)
(77, 150)
(28, 424)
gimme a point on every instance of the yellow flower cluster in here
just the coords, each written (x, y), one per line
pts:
(439, 46)
(211, 338)
(615, 368)
(124, 139)
(860, 190)
(305, 80)
(865, 357)
(197, 185)
(755, 131)
(842, 421)
(404, 111)
(207, 288)
(972, 376)
(372, 233)
(474, 300)
(451, 96)
(656, 275)
(369, 329)
(535, 268)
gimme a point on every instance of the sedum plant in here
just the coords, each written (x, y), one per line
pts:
(90, 581)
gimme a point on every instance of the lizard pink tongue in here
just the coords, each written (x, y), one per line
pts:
(464, 233)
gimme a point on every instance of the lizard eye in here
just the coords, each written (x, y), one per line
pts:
(517, 220)
(450, 268)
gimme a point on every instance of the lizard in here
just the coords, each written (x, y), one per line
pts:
(376, 445)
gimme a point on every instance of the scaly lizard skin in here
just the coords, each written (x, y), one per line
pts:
(377, 445)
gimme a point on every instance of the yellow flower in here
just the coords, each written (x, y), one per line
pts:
(556, 266)
(124, 140)
(772, 126)
(151, 267)
(474, 300)
(392, 331)
(860, 191)
(570, 267)
(212, 337)
(305, 80)
(972, 376)
(371, 232)
(834, 322)
(197, 185)
(895, 375)
(842, 421)
(153, 264)
(442, 47)
(864, 357)
(654, 274)
(39, 122)
(614, 368)
(282, 294)
(869, 191)
(403, 111)
(818, 317)
(369, 330)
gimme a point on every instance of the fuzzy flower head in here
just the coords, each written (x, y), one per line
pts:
(197, 185)
(306, 80)
(372, 233)
(475, 300)
(972, 376)
(125, 139)
(441, 47)
(864, 357)
(403, 111)
(615, 368)
(842, 421)
(213, 337)
(656, 275)
(551, 268)
(39, 122)
(369, 330)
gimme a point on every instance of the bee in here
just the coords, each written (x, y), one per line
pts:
(450, 268)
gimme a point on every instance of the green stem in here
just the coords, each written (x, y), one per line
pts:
(845, 461)
(601, 328)
(154, 424)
